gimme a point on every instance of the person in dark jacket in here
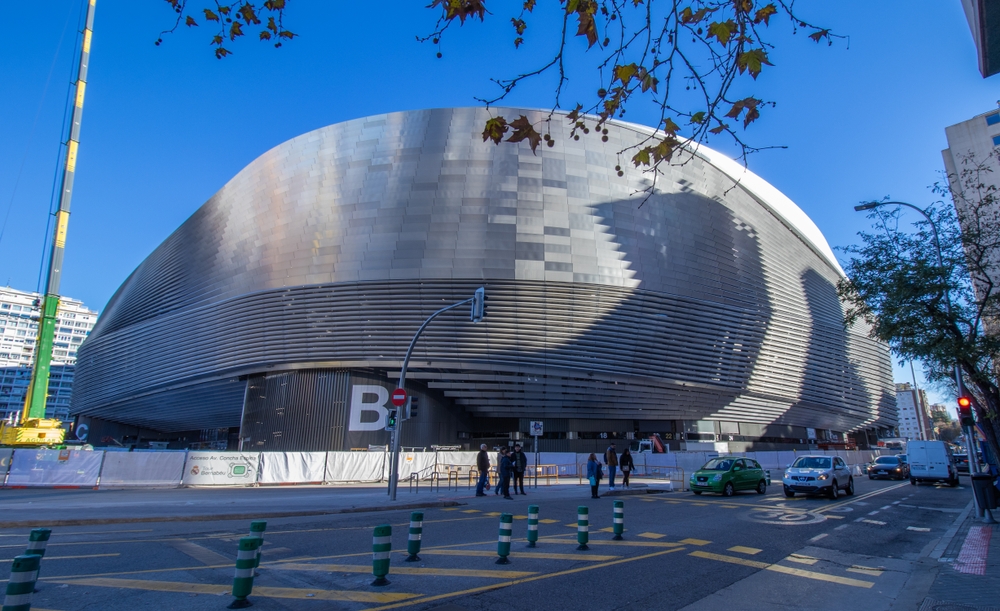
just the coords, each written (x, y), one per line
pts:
(626, 465)
(506, 469)
(611, 460)
(483, 465)
(594, 474)
(500, 452)
(520, 461)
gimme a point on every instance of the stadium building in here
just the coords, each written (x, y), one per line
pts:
(277, 316)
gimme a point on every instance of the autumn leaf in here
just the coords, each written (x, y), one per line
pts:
(271, 25)
(529, 5)
(820, 35)
(764, 14)
(265, 35)
(235, 30)
(524, 130)
(216, 40)
(495, 129)
(752, 61)
(669, 126)
(222, 52)
(287, 34)
(722, 30)
(209, 15)
(718, 130)
(585, 15)
(743, 6)
(246, 11)
(461, 9)
(574, 115)
(698, 117)
(642, 157)
(519, 25)
(190, 21)
(625, 73)
(689, 17)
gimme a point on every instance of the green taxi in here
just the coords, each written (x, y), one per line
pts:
(728, 474)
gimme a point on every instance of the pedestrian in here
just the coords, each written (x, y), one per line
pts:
(506, 469)
(626, 465)
(483, 464)
(496, 469)
(611, 460)
(594, 474)
(520, 461)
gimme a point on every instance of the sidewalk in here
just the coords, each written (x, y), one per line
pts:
(968, 578)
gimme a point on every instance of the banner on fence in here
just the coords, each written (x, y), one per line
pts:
(5, 456)
(356, 466)
(125, 469)
(62, 468)
(292, 467)
(221, 468)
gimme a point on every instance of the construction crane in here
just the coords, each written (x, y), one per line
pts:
(34, 429)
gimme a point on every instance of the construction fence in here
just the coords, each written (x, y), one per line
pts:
(164, 468)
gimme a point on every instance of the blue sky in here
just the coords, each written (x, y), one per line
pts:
(165, 127)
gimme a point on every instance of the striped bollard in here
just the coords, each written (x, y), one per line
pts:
(503, 541)
(532, 525)
(582, 527)
(257, 529)
(246, 558)
(416, 533)
(21, 583)
(37, 540)
(619, 526)
(381, 547)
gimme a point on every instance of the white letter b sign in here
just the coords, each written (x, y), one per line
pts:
(377, 397)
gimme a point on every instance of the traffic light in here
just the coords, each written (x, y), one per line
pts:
(412, 403)
(478, 305)
(965, 411)
(390, 420)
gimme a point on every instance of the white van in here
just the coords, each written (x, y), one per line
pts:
(930, 461)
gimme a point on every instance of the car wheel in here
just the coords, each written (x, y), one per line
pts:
(834, 491)
(697, 492)
(953, 481)
(762, 487)
(789, 493)
(913, 482)
(728, 489)
(850, 487)
(871, 477)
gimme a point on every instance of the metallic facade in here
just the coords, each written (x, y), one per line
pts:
(715, 299)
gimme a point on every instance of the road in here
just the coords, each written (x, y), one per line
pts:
(680, 551)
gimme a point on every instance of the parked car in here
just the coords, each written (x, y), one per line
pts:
(931, 461)
(891, 467)
(818, 475)
(961, 462)
(727, 474)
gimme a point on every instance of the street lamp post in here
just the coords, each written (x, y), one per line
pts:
(973, 458)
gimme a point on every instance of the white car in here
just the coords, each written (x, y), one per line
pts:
(818, 475)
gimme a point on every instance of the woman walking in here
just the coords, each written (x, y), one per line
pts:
(594, 473)
(626, 465)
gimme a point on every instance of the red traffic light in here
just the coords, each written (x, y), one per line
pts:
(964, 402)
(965, 411)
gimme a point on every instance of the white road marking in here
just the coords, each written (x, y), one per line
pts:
(918, 529)
(818, 537)
(841, 527)
(871, 513)
(886, 507)
(875, 522)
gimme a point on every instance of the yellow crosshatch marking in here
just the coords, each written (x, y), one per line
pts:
(745, 550)
(698, 542)
(402, 570)
(51, 558)
(492, 514)
(266, 592)
(787, 570)
(547, 521)
(651, 535)
(493, 554)
(471, 511)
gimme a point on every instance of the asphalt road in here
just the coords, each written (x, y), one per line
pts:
(680, 552)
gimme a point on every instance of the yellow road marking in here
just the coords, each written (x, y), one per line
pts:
(471, 511)
(199, 553)
(520, 517)
(622, 543)
(90, 532)
(492, 514)
(668, 502)
(787, 570)
(700, 504)
(404, 570)
(802, 559)
(450, 509)
(515, 582)
(651, 535)
(542, 555)
(730, 506)
(547, 521)
(698, 542)
(266, 592)
(51, 558)
(745, 550)
(864, 570)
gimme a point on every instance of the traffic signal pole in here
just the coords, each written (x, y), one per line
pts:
(478, 311)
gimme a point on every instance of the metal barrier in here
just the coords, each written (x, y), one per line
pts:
(414, 479)
(435, 481)
(548, 472)
(670, 474)
(453, 475)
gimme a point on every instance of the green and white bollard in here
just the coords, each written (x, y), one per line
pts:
(619, 525)
(381, 548)
(416, 533)
(532, 525)
(582, 527)
(503, 541)
(21, 583)
(257, 529)
(37, 541)
(246, 558)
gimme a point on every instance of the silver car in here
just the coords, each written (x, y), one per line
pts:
(818, 475)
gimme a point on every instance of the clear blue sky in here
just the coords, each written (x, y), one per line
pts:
(165, 127)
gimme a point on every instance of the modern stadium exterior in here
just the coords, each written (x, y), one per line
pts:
(280, 311)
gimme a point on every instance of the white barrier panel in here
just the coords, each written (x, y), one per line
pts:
(5, 456)
(415, 462)
(565, 461)
(457, 459)
(785, 459)
(221, 468)
(356, 467)
(292, 467)
(122, 469)
(63, 468)
(768, 460)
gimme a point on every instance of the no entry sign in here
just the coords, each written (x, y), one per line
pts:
(399, 397)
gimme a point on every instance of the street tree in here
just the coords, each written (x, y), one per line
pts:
(941, 315)
(695, 61)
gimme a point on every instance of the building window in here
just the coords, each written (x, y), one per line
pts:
(996, 140)
(993, 119)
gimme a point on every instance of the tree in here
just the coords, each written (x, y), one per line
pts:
(949, 432)
(895, 284)
(694, 60)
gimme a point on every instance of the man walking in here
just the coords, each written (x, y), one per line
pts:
(483, 464)
(505, 469)
(611, 460)
(520, 460)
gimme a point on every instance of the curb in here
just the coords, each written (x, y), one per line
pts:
(949, 534)
(226, 516)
